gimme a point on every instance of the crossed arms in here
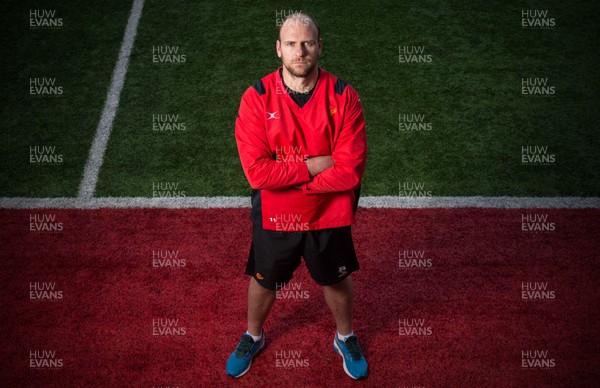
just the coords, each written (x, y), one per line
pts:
(340, 171)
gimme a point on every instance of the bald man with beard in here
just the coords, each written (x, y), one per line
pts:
(300, 135)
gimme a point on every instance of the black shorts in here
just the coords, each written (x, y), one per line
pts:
(274, 256)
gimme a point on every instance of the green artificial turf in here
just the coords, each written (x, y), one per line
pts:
(80, 56)
(470, 93)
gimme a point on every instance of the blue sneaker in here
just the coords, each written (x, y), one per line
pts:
(241, 359)
(355, 364)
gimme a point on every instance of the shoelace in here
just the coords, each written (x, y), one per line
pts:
(244, 346)
(353, 348)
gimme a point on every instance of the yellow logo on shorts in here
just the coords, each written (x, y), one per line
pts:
(259, 276)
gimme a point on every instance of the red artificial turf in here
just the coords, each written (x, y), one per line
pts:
(468, 297)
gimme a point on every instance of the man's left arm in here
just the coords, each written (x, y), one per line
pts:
(349, 153)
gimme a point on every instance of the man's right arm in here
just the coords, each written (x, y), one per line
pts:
(256, 156)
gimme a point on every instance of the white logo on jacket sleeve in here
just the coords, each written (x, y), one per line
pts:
(273, 115)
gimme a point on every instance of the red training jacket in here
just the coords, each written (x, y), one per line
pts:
(275, 136)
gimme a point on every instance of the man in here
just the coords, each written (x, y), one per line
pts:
(301, 138)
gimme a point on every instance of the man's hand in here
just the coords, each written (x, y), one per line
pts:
(318, 164)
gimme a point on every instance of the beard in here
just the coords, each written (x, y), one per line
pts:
(302, 73)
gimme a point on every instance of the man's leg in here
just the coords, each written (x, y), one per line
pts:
(329, 255)
(260, 300)
(340, 298)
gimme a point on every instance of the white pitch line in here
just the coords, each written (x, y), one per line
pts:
(96, 156)
(244, 202)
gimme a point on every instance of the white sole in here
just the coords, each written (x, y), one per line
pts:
(339, 351)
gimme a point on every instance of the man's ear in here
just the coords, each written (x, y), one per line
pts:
(278, 48)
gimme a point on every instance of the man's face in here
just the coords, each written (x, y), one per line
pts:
(299, 46)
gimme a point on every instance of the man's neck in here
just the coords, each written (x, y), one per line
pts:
(300, 84)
